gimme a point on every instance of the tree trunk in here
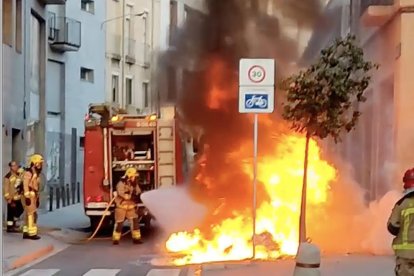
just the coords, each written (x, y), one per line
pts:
(302, 222)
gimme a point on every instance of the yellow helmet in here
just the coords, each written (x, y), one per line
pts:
(36, 159)
(130, 172)
(20, 171)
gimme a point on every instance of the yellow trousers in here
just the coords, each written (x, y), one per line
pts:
(30, 205)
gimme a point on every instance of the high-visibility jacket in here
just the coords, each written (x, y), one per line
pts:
(31, 184)
(126, 193)
(401, 225)
(11, 186)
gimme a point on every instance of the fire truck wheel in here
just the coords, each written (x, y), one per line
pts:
(95, 222)
(146, 220)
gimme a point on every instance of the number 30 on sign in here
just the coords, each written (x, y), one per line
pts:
(257, 73)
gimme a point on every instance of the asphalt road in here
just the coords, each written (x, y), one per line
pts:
(121, 260)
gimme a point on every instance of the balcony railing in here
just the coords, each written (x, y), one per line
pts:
(134, 52)
(53, 2)
(64, 33)
(366, 3)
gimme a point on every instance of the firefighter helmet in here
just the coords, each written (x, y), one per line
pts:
(408, 179)
(36, 159)
(130, 172)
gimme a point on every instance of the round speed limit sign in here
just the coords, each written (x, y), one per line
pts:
(256, 74)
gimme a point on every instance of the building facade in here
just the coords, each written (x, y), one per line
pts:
(379, 148)
(53, 55)
(148, 30)
(24, 61)
(75, 78)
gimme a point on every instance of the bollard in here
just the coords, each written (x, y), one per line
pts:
(50, 198)
(57, 198)
(67, 195)
(63, 195)
(78, 191)
(73, 191)
(308, 260)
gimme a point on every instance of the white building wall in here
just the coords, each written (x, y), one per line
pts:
(75, 94)
(80, 93)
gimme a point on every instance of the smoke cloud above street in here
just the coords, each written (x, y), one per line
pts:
(207, 50)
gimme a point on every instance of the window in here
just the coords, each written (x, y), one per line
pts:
(18, 26)
(145, 91)
(88, 6)
(128, 91)
(7, 22)
(128, 23)
(115, 88)
(173, 19)
(86, 74)
(346, 18)
(35, 52)
(172, 84)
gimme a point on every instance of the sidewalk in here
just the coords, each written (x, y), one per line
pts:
(19, 252)
(72, 217)
(353, 265)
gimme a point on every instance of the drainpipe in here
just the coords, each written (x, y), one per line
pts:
(24, 60)
(122, 102)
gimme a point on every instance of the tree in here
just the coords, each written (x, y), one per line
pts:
(321, 99)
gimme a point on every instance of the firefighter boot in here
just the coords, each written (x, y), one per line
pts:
(116, 235)
(135, 231)
(11, 225)
(31, 233)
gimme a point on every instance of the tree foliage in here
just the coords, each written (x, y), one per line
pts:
(320, 99)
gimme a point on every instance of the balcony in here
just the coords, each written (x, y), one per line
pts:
(134, 52)
(53, 2)
(376, 12)
(64, 34)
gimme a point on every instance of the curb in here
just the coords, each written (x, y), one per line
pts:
(26, 259)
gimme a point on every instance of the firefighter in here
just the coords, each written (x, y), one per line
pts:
(31, 188)
(127, 190)
(12, 189)
(399, 225)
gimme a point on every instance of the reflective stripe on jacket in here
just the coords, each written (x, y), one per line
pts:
(401, 225)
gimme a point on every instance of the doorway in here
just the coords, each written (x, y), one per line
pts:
(16, 145)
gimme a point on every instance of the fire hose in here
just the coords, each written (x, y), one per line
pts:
(92, 237)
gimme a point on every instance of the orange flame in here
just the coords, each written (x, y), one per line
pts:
(280, 172)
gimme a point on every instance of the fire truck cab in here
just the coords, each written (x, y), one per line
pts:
(116, 141)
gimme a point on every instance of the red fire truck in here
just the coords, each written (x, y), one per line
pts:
(116, 141)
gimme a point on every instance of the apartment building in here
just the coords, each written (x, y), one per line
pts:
(24, 63)
(75, 78)
(379, 149)
(53, 60)
(148, 30)
(173, 76)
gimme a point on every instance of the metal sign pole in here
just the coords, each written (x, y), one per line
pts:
(254, 181)
(256, 95)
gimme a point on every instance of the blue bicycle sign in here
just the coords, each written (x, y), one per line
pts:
(256, 101)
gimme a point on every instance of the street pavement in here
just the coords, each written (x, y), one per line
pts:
(99, 257)
(102, 258)
(353, 265)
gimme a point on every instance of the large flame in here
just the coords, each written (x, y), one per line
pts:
(280, 171)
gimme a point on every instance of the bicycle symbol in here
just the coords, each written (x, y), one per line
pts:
(259, 101)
